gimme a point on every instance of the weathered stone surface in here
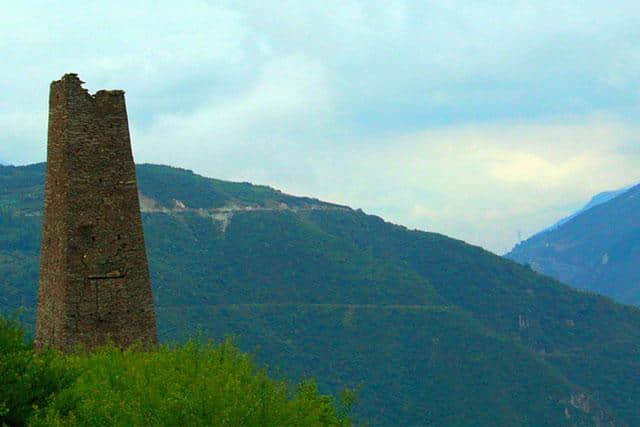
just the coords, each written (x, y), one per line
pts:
(94, 278)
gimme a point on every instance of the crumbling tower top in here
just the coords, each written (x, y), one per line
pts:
(94, 279)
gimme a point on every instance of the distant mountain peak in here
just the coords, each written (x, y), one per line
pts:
(596, 200)
(597, 248)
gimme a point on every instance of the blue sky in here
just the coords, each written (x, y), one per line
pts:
(479, 120)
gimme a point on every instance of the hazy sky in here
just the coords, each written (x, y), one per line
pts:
(476, 119)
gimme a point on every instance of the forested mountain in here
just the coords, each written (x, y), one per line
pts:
(432, 330)
(596, 250)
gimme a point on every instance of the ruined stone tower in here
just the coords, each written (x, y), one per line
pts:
(94, 278)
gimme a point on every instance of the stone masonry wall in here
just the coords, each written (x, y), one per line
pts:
(94, 278)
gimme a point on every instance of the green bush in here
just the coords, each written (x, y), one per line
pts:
(194, 384)
(28, 380)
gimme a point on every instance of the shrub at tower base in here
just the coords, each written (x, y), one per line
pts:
(196, 383)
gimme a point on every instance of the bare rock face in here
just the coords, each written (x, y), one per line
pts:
(94, 278)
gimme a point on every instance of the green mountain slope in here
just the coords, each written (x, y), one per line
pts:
(597, 250)
(434, 331)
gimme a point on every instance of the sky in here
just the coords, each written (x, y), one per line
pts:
(482, 120)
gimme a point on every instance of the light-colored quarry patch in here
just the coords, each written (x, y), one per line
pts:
(224, 214)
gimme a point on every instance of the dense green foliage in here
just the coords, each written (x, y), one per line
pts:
(28, 380)
(597, 250)
(193, 384)
(432, 330)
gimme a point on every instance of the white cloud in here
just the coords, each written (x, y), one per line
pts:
(288, 105)
(434, 114)
(483, 184)
(23, 136)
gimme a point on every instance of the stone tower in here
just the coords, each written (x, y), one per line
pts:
(94, 279)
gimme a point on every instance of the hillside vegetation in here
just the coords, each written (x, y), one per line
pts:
(193, 384)
(430, 329)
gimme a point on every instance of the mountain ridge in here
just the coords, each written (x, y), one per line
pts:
(596, 250)
(596, 200)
